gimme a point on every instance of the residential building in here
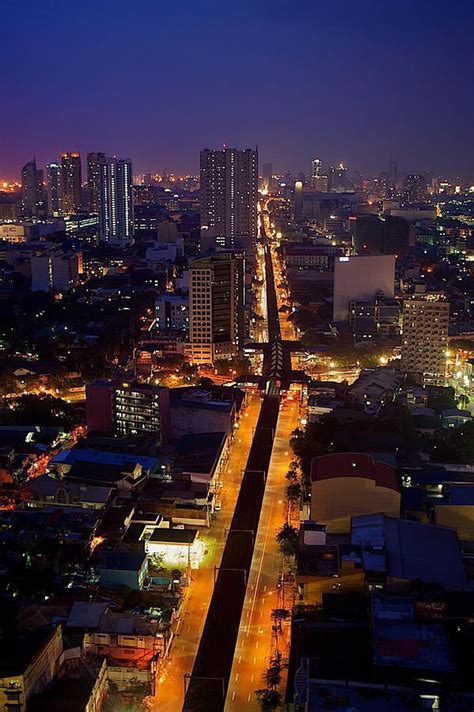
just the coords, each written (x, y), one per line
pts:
(425, 337)
(32, 188)
(203, 410)
(229, 182)
(116, 201)
(54, 189)
(71, 183)
(94, 162)
(139, 408)
(361, 278)
(216, 307)
(347, 484)
(172, 313)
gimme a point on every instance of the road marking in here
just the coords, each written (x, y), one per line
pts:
(233, 696)
(248, 698)
(256, 644)
(251, 678)
(254, 660)
(237, 677)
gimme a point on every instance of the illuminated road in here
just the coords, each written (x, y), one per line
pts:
(170, 684)
(254, 644)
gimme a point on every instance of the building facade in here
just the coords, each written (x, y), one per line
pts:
(229, 183)
(216, 308)
(116, 201)
(94, 161)
(54, 189)
(425, 337)
(71, 183)
(32, 188)
(139, 408)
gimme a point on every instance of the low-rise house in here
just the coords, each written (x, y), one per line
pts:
(122, 568)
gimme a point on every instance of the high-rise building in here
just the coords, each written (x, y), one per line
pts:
(71, 183)
(337, 179)
(229, 181)
(216, 307)
(116, 200)
(425, 337)
(319, 182)
(94, 161)
(414, 188)
(55, 189)
(32, 188)
(361, 278)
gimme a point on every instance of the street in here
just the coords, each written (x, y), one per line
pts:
(254, 644)
(170, 683)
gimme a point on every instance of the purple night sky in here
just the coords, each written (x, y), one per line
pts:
(359, 82)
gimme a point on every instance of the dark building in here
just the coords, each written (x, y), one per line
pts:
(229, 180)
(32, 188)
(414, 188)
(71, 183)
(373, 235)
(94, 161)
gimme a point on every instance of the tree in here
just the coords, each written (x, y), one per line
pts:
(268, 699)
(273, 674)
(287, 539)
(293, 492)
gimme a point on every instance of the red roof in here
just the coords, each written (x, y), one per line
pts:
(353, 464)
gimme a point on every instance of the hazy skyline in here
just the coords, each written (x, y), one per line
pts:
(359, 82)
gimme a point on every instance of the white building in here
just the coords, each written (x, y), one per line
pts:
(361, 278)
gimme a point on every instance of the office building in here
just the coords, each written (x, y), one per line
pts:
(32, 188)
(116, 201)
(54, 189)
(172, 313)
(315, 170)
(373, 235)
(361, 278)
(71, 183)
(425, 337)
(319, 182)
(229, 180)
(216, 308)
(94, 161)
(414, 188)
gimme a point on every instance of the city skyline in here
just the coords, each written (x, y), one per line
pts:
(355, 99)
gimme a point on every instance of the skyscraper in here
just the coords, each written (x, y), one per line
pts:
(229, 181)
(425, 337)
(414, 188)
(71, 183)
(54, 190)
(315, 169)
(32, 188)
(94, 161)
(216, 307)
(116, 200)
(337, 179)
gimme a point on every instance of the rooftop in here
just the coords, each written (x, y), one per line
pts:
(353, 464)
